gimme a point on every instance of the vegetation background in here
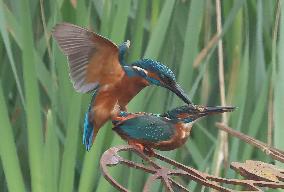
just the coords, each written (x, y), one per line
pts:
(42, 116)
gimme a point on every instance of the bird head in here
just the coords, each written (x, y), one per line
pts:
(155, 73)
(190, 113)
(122, 49)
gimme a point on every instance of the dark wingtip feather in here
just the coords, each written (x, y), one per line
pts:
(76, 43)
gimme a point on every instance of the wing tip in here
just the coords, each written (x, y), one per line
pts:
(59, 28)
(85, 88)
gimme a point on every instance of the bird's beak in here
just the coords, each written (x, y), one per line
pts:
(180, 93)
(205, 111)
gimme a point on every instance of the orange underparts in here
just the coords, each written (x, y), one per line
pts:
(146, 150)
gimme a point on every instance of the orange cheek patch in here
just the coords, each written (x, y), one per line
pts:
(154, 76)
(183, 115)
(117, 118)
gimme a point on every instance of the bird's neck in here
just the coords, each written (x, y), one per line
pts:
(121, 57)
(127, 68)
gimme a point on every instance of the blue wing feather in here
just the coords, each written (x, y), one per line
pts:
(89, 124)
(147, 128)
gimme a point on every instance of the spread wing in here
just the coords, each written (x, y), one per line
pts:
(147, 128)
(93, 59)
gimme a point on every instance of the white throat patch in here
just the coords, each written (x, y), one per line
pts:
(140, 69)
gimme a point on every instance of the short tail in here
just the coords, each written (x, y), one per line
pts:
(88, 135)
(88, 130)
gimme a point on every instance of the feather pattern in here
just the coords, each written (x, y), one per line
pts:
(93, 59)
(155, 67)
(146, 127)
(89, 124)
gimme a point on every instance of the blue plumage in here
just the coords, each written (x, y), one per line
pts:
(96, 61)
(89, 124)
(156, 67)
(155, 73)
(147, 127)
(122, 49)
(88, 131)
(174, 114)
(167, 131)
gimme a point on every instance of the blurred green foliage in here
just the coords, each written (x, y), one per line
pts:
(42, 116)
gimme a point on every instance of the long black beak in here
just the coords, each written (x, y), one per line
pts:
(180, 93)
(204, 111)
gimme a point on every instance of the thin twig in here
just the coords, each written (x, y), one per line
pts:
(272, 81)
(222, 155)
(256, 174)
(270, 115)
(73, 3)
(276, 154)
(276, 24)
(205, 50)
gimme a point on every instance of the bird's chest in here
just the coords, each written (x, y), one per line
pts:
(121, 92)
(181, 135)
(103, 106)
(183, 131)
(128, 88)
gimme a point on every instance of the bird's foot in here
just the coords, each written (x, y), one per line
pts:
(141, 148)
(148, 151)
(138, 146)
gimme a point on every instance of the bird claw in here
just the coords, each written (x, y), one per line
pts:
(141, 148)
(138, 146)
(148, 151)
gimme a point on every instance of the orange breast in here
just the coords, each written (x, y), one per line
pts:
(109, 95)
(128, 88)
(180, 137)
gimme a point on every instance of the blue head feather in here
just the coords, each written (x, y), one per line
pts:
(89, 124)
(189, 111)
(162, 71)
(163, 76)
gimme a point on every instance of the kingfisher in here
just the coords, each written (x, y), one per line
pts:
(168, 131)
(98, 65)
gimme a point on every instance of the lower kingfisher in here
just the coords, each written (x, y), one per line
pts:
(164, 132)
(97, 64)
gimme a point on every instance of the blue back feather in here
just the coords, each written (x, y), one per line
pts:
(150, 128)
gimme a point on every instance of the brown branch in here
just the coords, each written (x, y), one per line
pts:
(258, 174)
(272, 81)
(205, 50)
(222, 153)
(271, 151)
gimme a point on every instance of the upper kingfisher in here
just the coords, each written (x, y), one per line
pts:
(164, 132)
(97, 64)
